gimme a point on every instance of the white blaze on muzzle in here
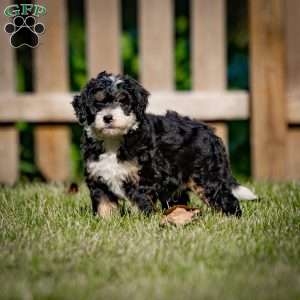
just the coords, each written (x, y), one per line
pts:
(120, 122)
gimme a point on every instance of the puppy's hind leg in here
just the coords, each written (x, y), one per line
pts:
(217, 195)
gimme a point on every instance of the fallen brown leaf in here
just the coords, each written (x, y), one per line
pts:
(179, 215)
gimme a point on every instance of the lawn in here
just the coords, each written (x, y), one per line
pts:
(51, 247)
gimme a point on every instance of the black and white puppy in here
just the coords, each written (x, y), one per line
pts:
(142, 157)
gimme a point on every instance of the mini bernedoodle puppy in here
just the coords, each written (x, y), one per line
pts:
(132, 155)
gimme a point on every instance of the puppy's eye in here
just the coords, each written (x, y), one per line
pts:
(100, 96)
(123, 100)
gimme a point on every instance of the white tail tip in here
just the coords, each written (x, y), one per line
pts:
(243, 193)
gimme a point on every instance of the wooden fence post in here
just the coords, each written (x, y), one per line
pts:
(209, 50)
(9, 140)
(52, 143)
(103, 36)
(292, 17)
(268, 118)
(156, 44)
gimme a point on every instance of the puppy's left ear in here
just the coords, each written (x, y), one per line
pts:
(78, 106)
(141, 96)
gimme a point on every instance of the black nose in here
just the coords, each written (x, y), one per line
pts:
(107, 119)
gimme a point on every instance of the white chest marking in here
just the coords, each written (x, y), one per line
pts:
(113, 172)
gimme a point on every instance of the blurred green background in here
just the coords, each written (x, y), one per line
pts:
(237, 69)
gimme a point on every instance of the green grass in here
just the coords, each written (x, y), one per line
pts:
(51, 247)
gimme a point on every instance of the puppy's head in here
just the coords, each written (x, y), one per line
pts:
(111, 104)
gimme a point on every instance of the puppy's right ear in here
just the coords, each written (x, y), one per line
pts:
(80, 111)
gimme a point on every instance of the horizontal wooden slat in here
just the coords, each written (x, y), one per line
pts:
(209, 106)
(56, 107)
(202, 105)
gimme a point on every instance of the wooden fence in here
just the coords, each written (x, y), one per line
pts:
(275, 79)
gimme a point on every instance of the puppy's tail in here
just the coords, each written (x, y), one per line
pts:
(243, 193)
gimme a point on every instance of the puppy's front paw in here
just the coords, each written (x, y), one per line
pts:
(106, 208)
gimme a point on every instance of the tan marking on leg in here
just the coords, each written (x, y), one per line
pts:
(197, 190)
(106, 207)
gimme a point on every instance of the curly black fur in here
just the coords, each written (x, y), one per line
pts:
(174, 154)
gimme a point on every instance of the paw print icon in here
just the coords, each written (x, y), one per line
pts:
(24, 31)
